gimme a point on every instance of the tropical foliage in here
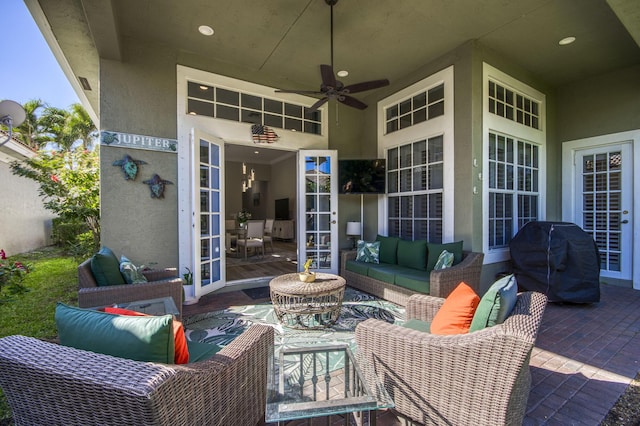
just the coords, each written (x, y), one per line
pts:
(69, 184)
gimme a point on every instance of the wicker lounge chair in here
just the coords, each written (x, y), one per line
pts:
(480, 378)
(162, 283)
(49, 384)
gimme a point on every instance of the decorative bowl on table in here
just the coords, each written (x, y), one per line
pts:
(307, 277)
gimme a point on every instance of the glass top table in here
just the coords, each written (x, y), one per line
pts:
(159, 306)
(322, 381)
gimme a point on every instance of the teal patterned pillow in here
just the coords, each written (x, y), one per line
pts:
(445, 260)
(130, 272)
(368, 252)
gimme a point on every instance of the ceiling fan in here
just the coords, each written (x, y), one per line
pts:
(331, 88)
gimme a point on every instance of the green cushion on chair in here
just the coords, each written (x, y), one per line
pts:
(388, 248)
(496, 304)
(435, 249)
(199, 351)
(140, 338)
(105, 268)
(415, 324)
(412, 254)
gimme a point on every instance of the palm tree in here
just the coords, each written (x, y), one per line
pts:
(80, 126)
(29, 132)
(65, 128)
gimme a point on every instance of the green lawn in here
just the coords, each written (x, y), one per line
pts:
(54, 278)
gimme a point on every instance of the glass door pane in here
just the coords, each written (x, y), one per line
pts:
(318, 215)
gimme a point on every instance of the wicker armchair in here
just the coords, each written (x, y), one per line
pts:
(49, 384)
(480, 378)
(161, 283)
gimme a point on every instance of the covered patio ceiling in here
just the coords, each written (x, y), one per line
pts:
(281, 43)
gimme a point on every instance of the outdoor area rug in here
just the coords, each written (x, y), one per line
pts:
(221, 327)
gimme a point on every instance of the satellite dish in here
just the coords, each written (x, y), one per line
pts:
(11, 114)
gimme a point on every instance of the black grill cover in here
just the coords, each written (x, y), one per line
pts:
(558, 259)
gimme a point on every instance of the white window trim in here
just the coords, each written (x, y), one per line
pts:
(494, 123)
(442, 125)
(229, 131)
(569, 149)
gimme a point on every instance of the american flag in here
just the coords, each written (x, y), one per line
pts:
(263, 134)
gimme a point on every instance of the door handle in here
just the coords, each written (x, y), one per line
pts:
(624, 221)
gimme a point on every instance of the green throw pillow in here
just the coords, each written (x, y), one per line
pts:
(106, 268)
(496, 304)
(388, 248)
(445, 260)
(140, 338)
(412, 254)
(130, 272)
(434, 250)
(368, 252)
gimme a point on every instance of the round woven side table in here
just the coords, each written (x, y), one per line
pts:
(307, 305)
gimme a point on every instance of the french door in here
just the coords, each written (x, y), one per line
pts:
(208, 207)
(604, 200)
(318, 210)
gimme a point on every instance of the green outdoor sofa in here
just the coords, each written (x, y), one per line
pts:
(406, 268)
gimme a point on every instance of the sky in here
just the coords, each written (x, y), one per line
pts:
(29, 69)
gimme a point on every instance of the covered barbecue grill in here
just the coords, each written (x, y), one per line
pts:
(558, 259)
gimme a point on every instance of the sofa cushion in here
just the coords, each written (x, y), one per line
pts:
(412, 254)
(416, 324)
(383, 272)
(413, 279)
(496, 304)
(368, 252)
(357, 267)
(445, 260)
(130, 272)
(106, 268)
(435, 249)
(388, 249)
(199, 351)
(181, 351)
(456, 313)
(148, 338)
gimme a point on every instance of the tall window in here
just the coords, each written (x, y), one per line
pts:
(514, 167)
(415, 190)
(513, 187)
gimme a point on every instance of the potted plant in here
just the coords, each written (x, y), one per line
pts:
(307, 276)
(242, 217)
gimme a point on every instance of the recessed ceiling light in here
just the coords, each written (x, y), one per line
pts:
(343, 73)
(205, 30)
(256, 152)
(566, 40)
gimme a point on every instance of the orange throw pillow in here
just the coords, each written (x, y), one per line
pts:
(181, 354)
(456, 313)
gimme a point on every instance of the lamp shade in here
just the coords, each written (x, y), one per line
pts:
(353, 228)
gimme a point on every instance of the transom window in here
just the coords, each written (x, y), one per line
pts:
(242, 107)
(415, 190)
(513, 187)
(513, 106)
(421, 107)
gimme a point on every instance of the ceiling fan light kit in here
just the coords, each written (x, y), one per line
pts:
(331, 88)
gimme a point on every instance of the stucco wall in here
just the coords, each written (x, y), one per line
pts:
(600, 105)
(25, 225)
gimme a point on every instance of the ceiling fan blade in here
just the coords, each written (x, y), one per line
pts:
(352, 102)
(367, 85)
(328, 77)
(317, 105)
(301, 92)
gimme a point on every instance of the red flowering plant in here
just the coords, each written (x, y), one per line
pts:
(12, 275)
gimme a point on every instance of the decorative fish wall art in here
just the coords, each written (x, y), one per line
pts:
(156, 186)
(129, 166)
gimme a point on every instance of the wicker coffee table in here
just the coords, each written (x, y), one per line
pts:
(307, 305)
